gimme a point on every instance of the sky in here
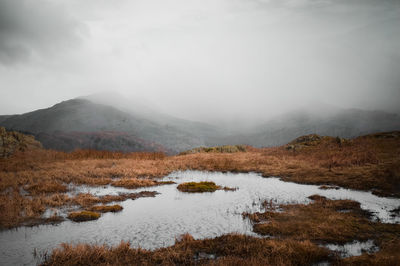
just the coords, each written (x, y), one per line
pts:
(202, 59)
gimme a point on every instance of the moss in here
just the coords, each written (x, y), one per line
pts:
(203, 186)
(83, 216)
(106, 208)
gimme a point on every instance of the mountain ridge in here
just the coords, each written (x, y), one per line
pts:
(82, 123)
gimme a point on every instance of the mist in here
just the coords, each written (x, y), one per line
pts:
(209, 60)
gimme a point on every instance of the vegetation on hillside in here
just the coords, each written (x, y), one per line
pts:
(11, 142)
(217, 149)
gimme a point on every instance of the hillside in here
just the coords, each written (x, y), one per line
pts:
(345, 123)
(103, 140)
(83, 123)
(55, 125)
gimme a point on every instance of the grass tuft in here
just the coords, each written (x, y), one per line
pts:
(106, 208)
(83, 216)
(204, 186)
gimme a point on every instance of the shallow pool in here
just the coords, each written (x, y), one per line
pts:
(155, 222)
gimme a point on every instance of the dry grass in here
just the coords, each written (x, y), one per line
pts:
(83, 216)
(136, 183)
(365, 163)
(322, 221)
(87, 200)
(227, 250)
(106, 208)
(297, 230)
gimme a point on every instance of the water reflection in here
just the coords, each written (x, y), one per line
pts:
(155, 222)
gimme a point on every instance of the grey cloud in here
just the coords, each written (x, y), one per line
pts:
(203, 59)
(29, 27)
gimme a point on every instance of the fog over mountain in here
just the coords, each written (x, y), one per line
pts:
(87, 122)
(214, 61)
(171, 75)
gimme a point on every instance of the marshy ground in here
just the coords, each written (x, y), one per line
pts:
(31, 183)
(203, 186)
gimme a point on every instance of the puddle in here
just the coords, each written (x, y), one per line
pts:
(155, 222)
(355, 248)
(97, 190)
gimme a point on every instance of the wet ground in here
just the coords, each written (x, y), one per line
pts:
(155, 222)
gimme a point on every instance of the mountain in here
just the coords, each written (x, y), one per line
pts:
(90, 122)
(64, 120)
(321, 120)
(103, 140)
(140, 108)
(4, 117)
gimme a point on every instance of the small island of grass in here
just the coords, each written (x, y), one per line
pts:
(204, 186)
(83, 216)
(106, 208)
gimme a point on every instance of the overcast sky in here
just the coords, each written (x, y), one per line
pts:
(202, 59)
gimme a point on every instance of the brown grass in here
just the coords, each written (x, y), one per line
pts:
(83, 216)
(322, 221)
(87, 200)
(365, 163)
(106, 208)
(228, 250)
(136, 183)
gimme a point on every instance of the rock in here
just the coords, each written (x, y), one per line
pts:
(11, 141)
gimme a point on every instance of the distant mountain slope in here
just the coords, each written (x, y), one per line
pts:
(80, 115)
(140, 109)
(103, 140)
(345, 123)
(81, 123)
(4, 117)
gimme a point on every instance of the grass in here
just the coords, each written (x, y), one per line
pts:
(33, 181)
(203, 186)
(106, 208)
(217, 149)
(83, 216)
(365, 163)
(87, 200)
(229, 250)
(322, 221)
(297, 230)
(136, 183)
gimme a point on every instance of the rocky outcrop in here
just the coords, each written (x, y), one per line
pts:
(312, 140)
(11, 141)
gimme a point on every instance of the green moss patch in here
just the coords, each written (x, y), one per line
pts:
(204, 186)
(83, 216)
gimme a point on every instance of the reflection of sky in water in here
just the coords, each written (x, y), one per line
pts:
(155, 222)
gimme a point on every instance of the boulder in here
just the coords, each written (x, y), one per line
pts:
(11, 141)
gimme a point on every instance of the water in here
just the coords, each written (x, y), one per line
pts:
(155, 222)
(355, 248)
